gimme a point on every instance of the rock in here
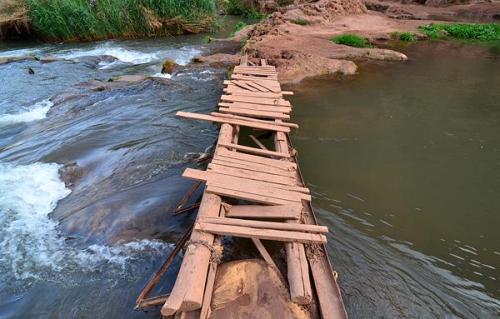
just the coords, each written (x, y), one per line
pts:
(168, 66)
(7, 60)
(49, 59)
(218, 60)
(252, 289)
(345, 52)
(130, 78)
(31, 71)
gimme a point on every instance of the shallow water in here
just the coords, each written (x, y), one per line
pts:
(404, 163)
(88, 176)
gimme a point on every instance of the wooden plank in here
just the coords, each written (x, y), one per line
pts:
(245, 185)
(263, 252)
(263, 74)
(245, 86)
(291, 125)
(233, 121)
(252, 78)
(257, 142)
(255, 100)
(236, 91)
(268, 234)
(265, 225)
(187, 293)
(231, 162)
(259, 176)
(259, 159)
(260, 87)
(245, 196)
(258, 107)
(265, 212)
(258, 114)
(254, 150)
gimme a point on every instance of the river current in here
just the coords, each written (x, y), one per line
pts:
(89, 176)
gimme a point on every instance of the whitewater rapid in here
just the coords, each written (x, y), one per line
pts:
(31, 246)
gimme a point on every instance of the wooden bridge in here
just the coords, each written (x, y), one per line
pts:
(276, 205)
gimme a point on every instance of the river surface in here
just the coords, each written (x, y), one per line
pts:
(403, 161)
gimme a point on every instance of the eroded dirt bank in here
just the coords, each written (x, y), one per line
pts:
(297, 38)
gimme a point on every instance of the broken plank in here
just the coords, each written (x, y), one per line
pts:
(265, 212)
(257, 107)
(228, 162)
(205, 117)
(265, 225)
(254, 150)
(263, 252)
(236, 91)
(269, 234)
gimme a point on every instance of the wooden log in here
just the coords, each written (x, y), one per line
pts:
(265, 225)
(269, 234)
(233, 121)
(263, 252)
(255, 100)
(262, 199)
(255, 150)
(291, 125)
(252, 113)
(265, 212)
(187, 293)
(153, 301)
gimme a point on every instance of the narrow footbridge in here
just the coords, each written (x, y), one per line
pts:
(254, 192)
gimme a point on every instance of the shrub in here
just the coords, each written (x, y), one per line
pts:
(301, 21)
(406, 36)
(487, 32)
(352, 40)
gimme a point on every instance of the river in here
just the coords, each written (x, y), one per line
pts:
(404, 170)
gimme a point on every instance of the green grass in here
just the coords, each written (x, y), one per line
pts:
(98, 19)
(352, 40)
(244, 8)
(301, 21)
(404, 36)
(240, 25)
(487, 32)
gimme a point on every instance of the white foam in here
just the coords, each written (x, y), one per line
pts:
(31, 246)
(18, 53)
(36, 112)
(162, 75)
(181, 56)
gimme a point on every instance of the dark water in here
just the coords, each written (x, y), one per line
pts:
(89, 176)
(404, 162)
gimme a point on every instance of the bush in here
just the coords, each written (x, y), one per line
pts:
(352, 40)
(488, 32)
(404, 36)
(244, 8)
(98, 19)
(300, 21)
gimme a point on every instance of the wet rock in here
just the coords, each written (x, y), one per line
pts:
(71, 173)
(219, 60)
(49, 59)
(168, 66)
(7, 60)
(94, 61)
(251, 289)
(130, 78)
(31, 71)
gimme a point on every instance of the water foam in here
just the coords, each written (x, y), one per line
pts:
(36, 112)
(31, 246)
(181, 56)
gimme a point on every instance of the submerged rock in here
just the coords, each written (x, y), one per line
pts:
(168, 66)
(252, 289)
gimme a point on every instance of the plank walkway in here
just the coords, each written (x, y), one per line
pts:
(276, 202)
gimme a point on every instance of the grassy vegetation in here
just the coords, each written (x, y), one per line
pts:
(488, 32)
(244, 8)
(352, 40)
(98, 19)
(404, 36)
(301, 21)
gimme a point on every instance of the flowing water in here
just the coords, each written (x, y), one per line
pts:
(403, 161)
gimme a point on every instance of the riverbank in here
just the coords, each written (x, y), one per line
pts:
(297, 39)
